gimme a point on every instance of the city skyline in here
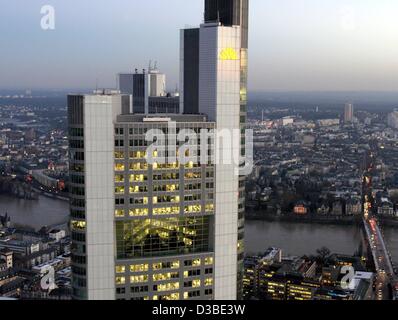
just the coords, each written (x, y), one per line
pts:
(307, 46)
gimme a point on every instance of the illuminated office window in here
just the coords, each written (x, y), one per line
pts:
(165, 276)
(167, 287)
(119, 178)
(166, 188)
(120, 280)
(209, 207)
(196, 284)
(138, 178)
(119, 155)
(166, 265)
(138, 166)
(193, 209)
(193, 175)
(166, 211)
(208, 282)
(138, 155)
(196, 263)
(119, 167)
(78, 225)
(119, 213)
(120, 269)
(119, 190)
(157, 166)
(138, 189)
(139, 268)
(138, 212)
(209, 261)
(166, 199)
(139, 279)
(143, 200)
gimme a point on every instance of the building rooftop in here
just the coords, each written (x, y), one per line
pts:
(159, 118)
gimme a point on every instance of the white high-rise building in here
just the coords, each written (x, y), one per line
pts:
(157, 83)
(349, 113)
(219, 98)
(148, 91)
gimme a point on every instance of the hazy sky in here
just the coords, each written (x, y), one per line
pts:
(294, 44)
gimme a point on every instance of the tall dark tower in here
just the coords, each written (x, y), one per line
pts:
(236, 13)
(229, 13)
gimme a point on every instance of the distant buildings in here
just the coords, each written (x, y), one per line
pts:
(148, 92)
(328, 122)
(303, 279)
(26, 256)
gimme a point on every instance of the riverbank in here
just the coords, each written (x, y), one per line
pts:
(17, 189)
(51, 195)
(315, 219)
(335, 220)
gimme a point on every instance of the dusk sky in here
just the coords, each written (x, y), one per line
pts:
(294, 45)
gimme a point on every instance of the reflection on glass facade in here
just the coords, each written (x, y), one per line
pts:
(162, 237)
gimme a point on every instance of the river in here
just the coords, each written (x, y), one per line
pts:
(304, 239)
(34, 214)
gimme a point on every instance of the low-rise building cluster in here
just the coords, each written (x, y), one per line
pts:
(34, 265)
(272, 277)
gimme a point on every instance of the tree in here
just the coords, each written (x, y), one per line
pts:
(323, 254)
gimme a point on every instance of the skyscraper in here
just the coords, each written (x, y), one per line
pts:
(148, 91)
(236, 13)
(189, 71)
(228, 14)
(159, 230)
(349, 113)
(139, 230)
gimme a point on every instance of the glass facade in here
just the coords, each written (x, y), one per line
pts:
(77, 198)
(162, 237)
(164, 218)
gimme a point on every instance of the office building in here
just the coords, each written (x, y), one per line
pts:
(349, 113)
(147, 230)
(231, 13)
(139, 231)
(148, 91)
(221, 17)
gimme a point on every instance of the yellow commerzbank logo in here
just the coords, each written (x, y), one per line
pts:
(229, 54)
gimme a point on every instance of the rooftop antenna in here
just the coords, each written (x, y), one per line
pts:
(150, 65)
(156, 65)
